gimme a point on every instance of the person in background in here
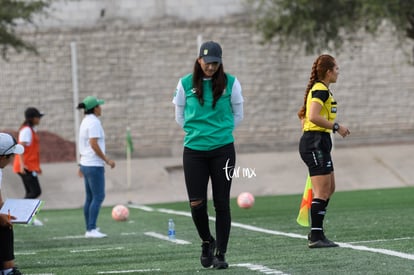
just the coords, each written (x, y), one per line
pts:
(27, 165)
(318, 115)
(92, 163)
(209, 106)
(8, 148)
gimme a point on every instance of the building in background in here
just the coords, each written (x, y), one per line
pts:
(131, 53)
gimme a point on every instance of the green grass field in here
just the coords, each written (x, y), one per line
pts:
(374, 228)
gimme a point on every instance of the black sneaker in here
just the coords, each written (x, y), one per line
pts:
(15, 271)
(219, 262)
(207, 252)
(321, 237)
(322, 243)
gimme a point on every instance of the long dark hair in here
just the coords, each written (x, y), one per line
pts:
(321, 65)
(27, 122)
(219, 80)
(86, 112)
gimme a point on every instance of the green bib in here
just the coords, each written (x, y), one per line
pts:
(207, 128)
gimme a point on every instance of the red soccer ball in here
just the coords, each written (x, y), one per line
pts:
(245, 200)
(120, 212)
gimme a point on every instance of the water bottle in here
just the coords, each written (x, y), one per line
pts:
(171, 230)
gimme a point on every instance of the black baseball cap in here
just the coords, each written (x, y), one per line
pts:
(32, 112)
(211, 52)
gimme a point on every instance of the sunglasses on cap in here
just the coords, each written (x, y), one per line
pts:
(8, 149)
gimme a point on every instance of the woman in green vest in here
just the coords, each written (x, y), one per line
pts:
(208, 106)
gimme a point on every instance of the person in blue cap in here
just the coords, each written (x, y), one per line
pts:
(92, 163)
(209, 106)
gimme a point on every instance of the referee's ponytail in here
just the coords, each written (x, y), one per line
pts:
(321, 65)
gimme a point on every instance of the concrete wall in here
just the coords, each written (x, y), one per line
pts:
(88, 13)
(134, 55)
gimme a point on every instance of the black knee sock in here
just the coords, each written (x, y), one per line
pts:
(318, 210)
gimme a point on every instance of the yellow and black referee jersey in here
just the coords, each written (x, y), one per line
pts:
(320, 94)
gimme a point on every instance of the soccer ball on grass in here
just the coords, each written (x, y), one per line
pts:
(120, 212)
(245, 200)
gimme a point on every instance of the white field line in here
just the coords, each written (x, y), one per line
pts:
(267, 231)
(347, 245)
(383, 240)
(293, 235)
(69, 237)
(25, 253)
(95, 249)
(165, 238)
(254, 267)
(141, 207)
(174, 212)
(129, 233)
(379, 250)
(129, 271)
(83, 236)
(260, 268)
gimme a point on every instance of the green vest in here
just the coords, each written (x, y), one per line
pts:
(207, 128)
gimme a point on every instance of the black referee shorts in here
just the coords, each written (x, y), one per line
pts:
(315, 150)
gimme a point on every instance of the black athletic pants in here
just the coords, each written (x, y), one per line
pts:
(199, 167)
(31, 185)
(6, 245)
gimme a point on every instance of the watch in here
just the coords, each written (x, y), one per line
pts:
(335, 127)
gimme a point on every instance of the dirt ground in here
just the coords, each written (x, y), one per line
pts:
(53, 148)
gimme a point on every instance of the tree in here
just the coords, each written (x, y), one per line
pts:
(325, 24)
(14, 13)
(410, 29)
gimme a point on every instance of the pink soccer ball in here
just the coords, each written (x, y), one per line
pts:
(120, 212)
(245, 200)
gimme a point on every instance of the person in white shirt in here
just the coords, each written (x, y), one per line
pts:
(8, 148)
(92, 163)
(27, 165)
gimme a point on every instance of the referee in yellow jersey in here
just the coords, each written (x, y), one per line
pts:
(318, 115)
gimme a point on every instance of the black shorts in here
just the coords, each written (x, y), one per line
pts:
(315, 150)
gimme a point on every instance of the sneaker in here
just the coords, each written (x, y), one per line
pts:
(207, 252)
(322, 243)
(322, 236)
(37, 222)
(15, 271)
(219, 262)
(94, 234)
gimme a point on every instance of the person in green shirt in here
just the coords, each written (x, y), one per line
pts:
(208, 106)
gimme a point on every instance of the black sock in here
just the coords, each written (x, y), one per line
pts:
(318, 210)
